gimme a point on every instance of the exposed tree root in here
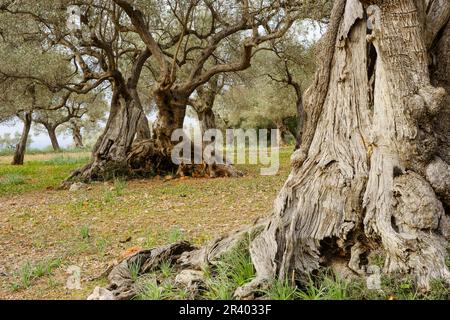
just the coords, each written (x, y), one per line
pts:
(182, 255)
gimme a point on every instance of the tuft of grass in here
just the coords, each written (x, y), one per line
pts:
(376, 258)
(150, 290)
(233, 270)
(101, 244)
(134, 268)
(119, 186)
(166, 269)
(440, 290)
(84, 233)
(12, 179)
(281, 290)
(175, 235)
(29, 272)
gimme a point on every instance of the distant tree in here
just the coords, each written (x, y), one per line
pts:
(8, 141)
(71, 117)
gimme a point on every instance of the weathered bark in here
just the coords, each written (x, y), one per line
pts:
(143, 129)
(51, 130)
(207, 120)
(110, 153)
(369, 174)
(300, 115)
(359, 179)
(438, 172)
(19, 153)
(76, 135)
(154, 156)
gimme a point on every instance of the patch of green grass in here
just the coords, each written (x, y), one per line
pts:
(376, 258)
(12, 179)
(29, 272)
(134, 268)
(37, 175)
(84, 233)
(281, 290)
(65, 160)
(175, 235)
(108, 196)
(48, 150)
(233, 270)
(101, 244)
(166, 269)
(119, 186)
(150, 290)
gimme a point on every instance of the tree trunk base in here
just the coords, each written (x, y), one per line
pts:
(147, 159)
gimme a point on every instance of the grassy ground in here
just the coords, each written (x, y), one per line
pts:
(43, 231)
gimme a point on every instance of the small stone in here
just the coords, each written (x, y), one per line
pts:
(100, 293)
(373, 269)
(191, 279)
(374, 282)
(77, 186)
(74, 280)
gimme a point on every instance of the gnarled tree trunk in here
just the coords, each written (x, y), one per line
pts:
(359, 181)
(53, 138)
(19, 153)
(76, 135)
(109, 156)
(370, 174)
(207, 120)
(143, 128)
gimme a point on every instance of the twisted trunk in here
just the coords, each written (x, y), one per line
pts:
(143, 129)
(21, 147)
(110, 153)
(207, 120)
(359, 181)
(76, 135)
(51, 130)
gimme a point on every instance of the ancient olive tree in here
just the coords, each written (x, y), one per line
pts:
(204, 29)
(372, 172)
(104, 56)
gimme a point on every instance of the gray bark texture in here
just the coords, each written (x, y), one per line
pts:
(372, 172)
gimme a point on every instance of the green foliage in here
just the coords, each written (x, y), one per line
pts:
(36, 174)
(150, 290)
(175, 235)
(234, 269)
(30, 272)
(119, 186)
(66, 160)
(101, 245)
(84, 233)
(134, 268)
(166, 269)
(281, 290)
(12, 179)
